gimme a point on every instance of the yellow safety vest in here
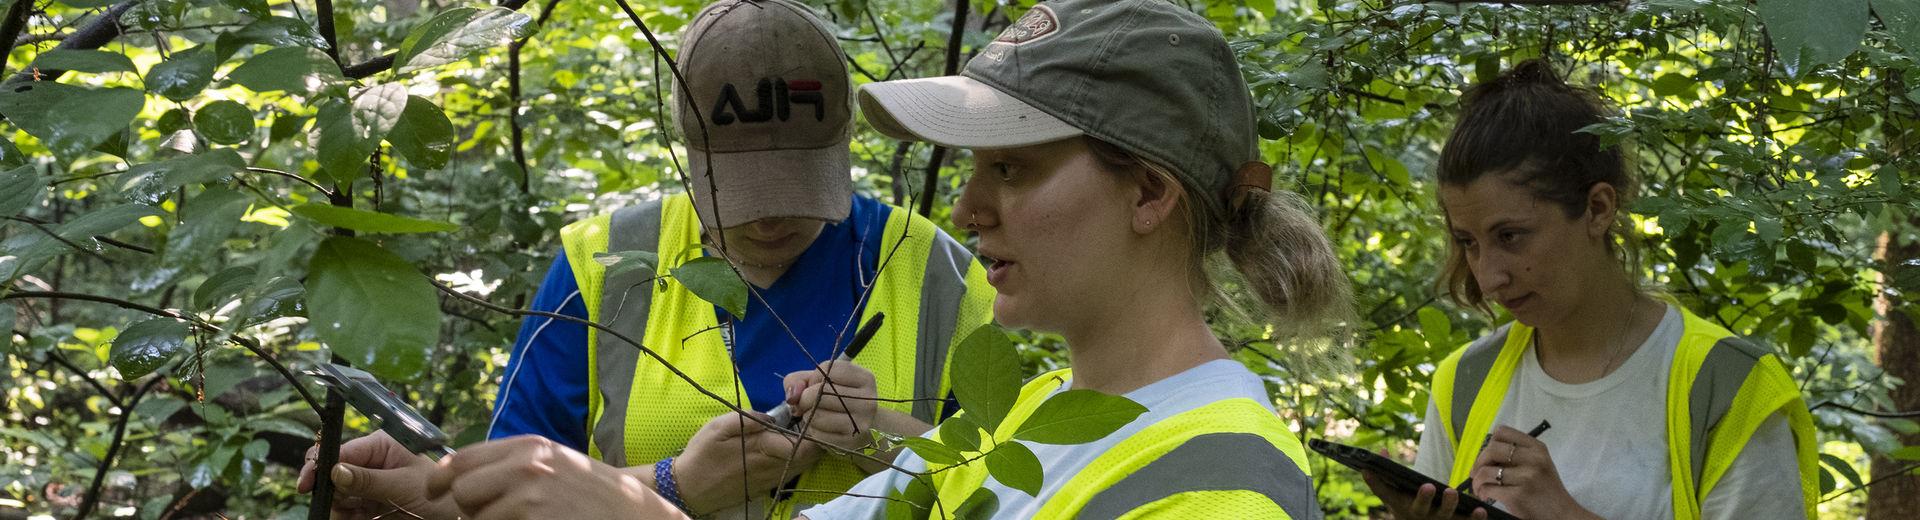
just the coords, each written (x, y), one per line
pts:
(1719, 390)
(1232, 458)
(930, 287)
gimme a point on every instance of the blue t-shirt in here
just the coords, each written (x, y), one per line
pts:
(544, 391)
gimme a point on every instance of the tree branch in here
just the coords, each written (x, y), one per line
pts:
(1870, 413)
(119, 440)
(10, 28)
(303, 180)
(955, 34)
(95, 35)
(381, 64)
(53, 355)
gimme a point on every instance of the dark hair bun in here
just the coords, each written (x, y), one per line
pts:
(1536, 71)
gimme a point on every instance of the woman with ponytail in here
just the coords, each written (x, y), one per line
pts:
(1654, 412)
(1115, 156)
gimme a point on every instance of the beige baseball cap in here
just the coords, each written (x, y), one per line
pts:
(766, 113)
(1146, 75)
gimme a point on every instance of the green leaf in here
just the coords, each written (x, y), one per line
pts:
(1905, 453)
(20, 188)
(424, 135)
(714, 281)
(224, 122)
(372, 308)
(1672, 84)
(183, 76)
(105, 221)
(1436, 328)
(70, 120)
(298, 70)
(621, 262)
(914, 503)
(152, 181)
(209, 219)
(348, 135)
(83, 61)
(1902, 19)
(1841, 466)
(986, 376)
(458, 33)
(1078, 417)
(222, 287)
(1810, 33)
(933, 451)
(1013, 464)
(960, 433)
(143, 347)
(275, 298)
(369, 221)
(980, 506)
(1889, 181)
(280, 31)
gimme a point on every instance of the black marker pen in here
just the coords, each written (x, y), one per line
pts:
(1535, 433)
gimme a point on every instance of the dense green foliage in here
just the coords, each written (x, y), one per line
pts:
(178, 206)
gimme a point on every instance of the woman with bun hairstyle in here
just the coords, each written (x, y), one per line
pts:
(1655, 412)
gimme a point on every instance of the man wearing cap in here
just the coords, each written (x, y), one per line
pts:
(765, 110)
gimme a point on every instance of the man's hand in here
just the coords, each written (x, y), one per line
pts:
(731, 450)
(532, 477)
(836, 402)
(376, 478)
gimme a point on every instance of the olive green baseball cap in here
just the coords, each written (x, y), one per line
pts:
(766, 110)
(1145, 75)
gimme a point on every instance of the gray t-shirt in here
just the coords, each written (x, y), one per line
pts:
(1609, 444)
(1198, 386)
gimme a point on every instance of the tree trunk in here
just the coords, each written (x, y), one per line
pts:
(1896, 343)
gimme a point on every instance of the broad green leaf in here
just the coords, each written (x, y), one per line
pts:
(424, 135)
(222, 287)
(184, 75)
(1843, 467)
(348, 135)
(960, 433)
(280, 31)
(224, 122)
(70, 120)
(298, 70)
(933, 451)
(83, 61)
(1436, 328)
(1888, 179)
(1905, 453)
(458, 33)
(714, 281)
(173, 121)
(1810, 33)
(1672, 84)
(369, 221)
(274, 298)
(1264, 7)
(145, 346)
(1827, 484)
(20, 188)
(1013, 464)
(372, 308)
(980, 506)
(1078, 417)
(10, 156)
(1902, 19)
(916, 502)
(986, 376)
(207, 221)
(153, 181)
(623, 261)
(105, 221)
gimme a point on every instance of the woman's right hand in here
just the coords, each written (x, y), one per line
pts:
(378, 478)
(1423, 505)
(731, 449)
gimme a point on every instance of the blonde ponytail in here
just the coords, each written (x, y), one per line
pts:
(1275, 242)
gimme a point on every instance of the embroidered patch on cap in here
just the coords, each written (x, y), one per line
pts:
(1036, 25)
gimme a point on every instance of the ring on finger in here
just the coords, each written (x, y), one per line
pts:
(1500, 476)
(1510, 449)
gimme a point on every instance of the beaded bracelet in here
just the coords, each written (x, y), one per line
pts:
(663, 481)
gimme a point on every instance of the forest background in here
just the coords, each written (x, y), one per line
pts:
(189, 186)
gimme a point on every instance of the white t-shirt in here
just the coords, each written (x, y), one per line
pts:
(1196, 387)
(1608, 441)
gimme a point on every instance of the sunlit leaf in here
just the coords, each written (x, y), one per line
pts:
(280, 31)
(184, 75)
(1014, 465)
(1078, 417)
(146, 346)
(372, 308)
(714, 281)
(369, 221)
(986, 376)
(458, 33)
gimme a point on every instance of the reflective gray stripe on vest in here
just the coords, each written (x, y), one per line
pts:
(942, 290)
(624, 300)
(1471, 374)
(1714, 388)
(1212, 462)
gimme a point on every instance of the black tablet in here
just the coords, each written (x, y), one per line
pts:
(1400, 477)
